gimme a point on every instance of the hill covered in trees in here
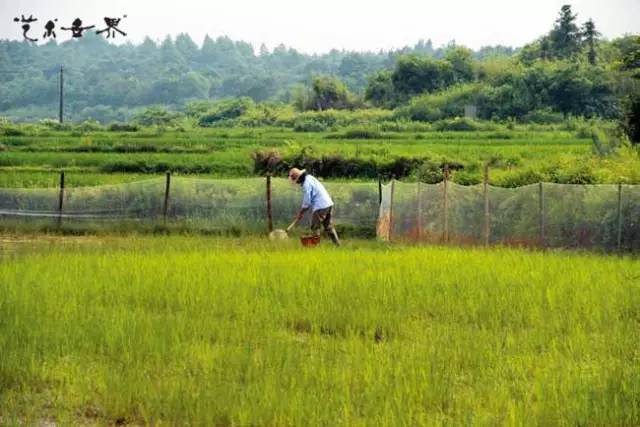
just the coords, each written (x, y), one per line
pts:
(568, 71)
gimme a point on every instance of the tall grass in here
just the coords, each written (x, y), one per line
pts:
(200, 331)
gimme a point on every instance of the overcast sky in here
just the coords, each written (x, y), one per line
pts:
(319, 26)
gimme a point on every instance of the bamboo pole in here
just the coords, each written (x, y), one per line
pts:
(269, 207)
(619, 236)
(167, 189)
(61, 199)
(419, 213)
(445, 205)
(487, 217)
(393, 187)
(541, 209)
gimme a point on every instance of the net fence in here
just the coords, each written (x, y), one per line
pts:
(224, 205)
(605, 217)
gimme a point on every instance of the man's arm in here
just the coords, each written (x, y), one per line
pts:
(297, 218)
(306, 203)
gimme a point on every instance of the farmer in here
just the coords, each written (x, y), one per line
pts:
(315, 198)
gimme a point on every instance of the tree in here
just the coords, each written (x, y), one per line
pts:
(187, 48)
(631, 118)
(380, 90)
(565, 38)
(590, 35)
(326, 93)
(415, 74)
(461, 60)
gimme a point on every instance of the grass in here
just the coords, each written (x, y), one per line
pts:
(193, 330)
(516, 156)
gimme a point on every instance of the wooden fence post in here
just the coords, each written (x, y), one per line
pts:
(619, 236)
(542, 214)
(419, 214)
(379, 190)
(61, 199)
(445, 204)
(393, 188)
(487, 218)
(167, 188)
(269, 207)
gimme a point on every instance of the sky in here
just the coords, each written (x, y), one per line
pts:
(319, 26)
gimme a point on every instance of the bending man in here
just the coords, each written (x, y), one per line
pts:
(315, 198)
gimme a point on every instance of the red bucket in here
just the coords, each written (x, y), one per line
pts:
(310, 241)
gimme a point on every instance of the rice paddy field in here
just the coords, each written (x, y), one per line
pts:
(103, 330)
(32, 156)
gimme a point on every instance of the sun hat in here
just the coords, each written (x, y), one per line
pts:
(295, 174)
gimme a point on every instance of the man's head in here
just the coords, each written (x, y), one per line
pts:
(295, 174)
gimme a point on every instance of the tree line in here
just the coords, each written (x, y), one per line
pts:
(569, 71)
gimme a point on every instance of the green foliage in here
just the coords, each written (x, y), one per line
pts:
(544, 116)
(123, 127)
(380, 90)
(89, 126)
(631, 118)
(591, 40)
(459, 124)
(446, 104)
(430, 173)
(327, 93)
(226, 110)
(157, 116)
(307, 124)
(415, 75)
(565, 38)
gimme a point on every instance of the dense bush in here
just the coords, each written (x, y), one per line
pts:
(89, 126)
(302, 124)
(359, 133)
(123, 127)
(157, 116)
(459, 124)
(334, 166)
(8, 130)
(226, 110)
(543, 116)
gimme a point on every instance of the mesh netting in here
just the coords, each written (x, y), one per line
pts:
(551, 215)
(237, 205)
(205, 204)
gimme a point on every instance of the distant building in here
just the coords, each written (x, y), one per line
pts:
(470, 111)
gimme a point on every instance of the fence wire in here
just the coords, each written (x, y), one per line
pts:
(227, 205)
(603, 217)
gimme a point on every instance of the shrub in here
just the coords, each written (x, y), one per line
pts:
(309, 125)
(55, 125)
(430, 173)
(226, 110)
(520, 178)
(89, 126)
(543, 117)
(457, 124)
(580, 174)
(11, 131)
(359, 133)
(333, 166)
(445, 104)
(123, 127)
(157, 116)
